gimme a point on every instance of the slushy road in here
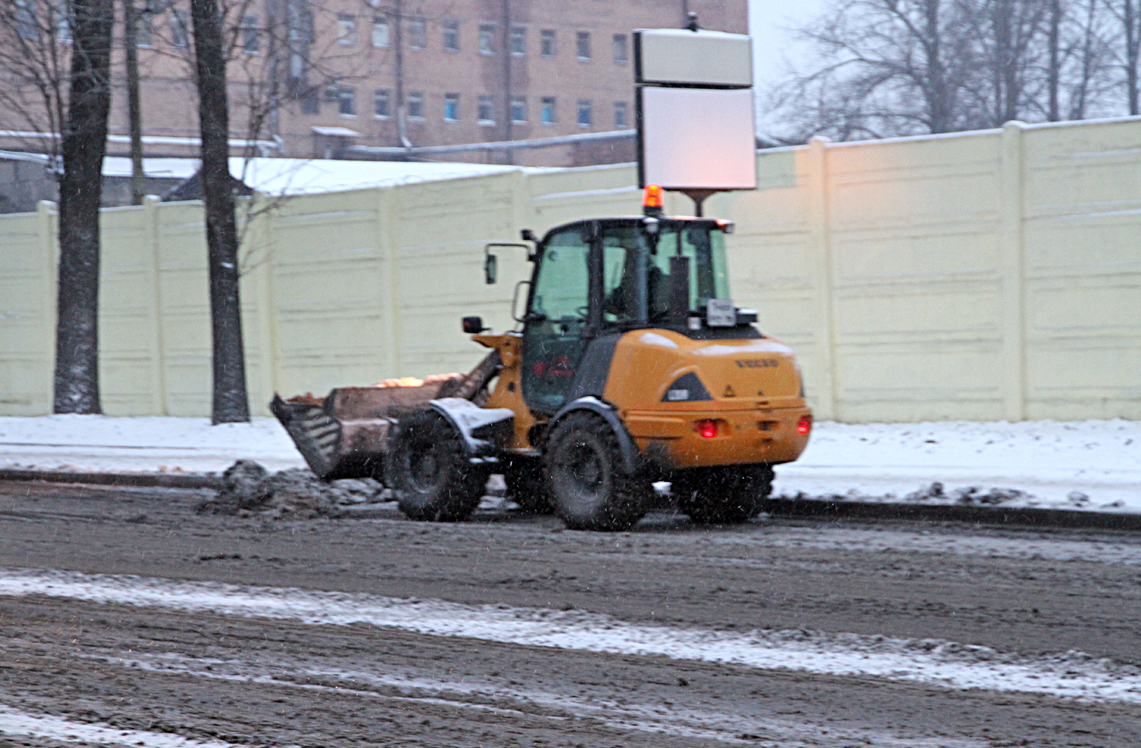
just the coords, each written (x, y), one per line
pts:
(125, 618)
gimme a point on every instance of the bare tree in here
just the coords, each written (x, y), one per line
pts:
(1128, 15)
(230, 400)
(84, 143)
(897, 67)
(35, 60)
(893, 67)
(56, 60)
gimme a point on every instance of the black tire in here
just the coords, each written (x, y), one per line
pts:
(591, 487)
(527, 485)
(428, 469)
(724, 495)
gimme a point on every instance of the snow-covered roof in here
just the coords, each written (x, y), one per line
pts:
(297, 176)
(289, 176)
(171, 168)
(342, 132)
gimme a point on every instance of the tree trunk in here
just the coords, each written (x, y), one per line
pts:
(130, 41)
(231, 403)
(1131, 54)
(1053, 76)
(84, 142)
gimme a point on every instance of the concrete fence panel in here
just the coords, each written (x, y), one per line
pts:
(987, 275)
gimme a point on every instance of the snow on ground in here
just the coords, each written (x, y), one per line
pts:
(102, 443)
(933, 662)
(1085, 464)
(15, 722)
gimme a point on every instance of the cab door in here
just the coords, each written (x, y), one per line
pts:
(559, 322)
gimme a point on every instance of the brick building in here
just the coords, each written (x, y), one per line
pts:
(373, 78)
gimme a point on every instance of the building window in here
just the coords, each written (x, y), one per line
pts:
(418, 34)
(310, 103)
(486, 111)
(452, 107)
(380, 31)
(348, 101)
(519, 109)
(26, 20)
(582, 45)
(346, 29)
(621, 55)
(585, 113)
(382, 101)
(547, 113)
(179, 28)
(251, 38)
(487, 38)
(452, 36)
(415, 105)
(144, 25)
(518, 41)
(621, 115)
(547, 43)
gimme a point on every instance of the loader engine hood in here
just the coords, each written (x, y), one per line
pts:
(663, 370)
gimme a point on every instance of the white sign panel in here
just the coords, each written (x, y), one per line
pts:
(694, 138)
(703, 58)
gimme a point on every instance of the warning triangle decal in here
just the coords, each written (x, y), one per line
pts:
(729, 391)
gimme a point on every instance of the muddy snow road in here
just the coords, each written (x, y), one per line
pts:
(127, 619)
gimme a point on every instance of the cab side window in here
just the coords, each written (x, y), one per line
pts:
(553, 340)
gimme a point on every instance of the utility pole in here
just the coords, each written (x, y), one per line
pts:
(509, 155)
(131, 39)
(398, 40)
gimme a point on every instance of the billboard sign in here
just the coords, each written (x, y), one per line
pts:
(695, 112)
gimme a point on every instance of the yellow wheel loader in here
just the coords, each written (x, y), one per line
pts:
(630, 365)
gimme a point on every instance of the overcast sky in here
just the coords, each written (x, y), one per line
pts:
(769, 23)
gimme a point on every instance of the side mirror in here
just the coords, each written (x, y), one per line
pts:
(528, 235)
(490, 268)
(473, 325)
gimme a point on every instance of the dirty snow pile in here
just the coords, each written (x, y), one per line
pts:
(248, 489)
(1053, 464)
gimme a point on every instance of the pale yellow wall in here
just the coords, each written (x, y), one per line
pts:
(990, 275)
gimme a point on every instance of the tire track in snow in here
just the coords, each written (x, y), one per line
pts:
(929, 662)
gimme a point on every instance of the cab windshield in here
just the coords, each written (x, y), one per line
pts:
(636, 269)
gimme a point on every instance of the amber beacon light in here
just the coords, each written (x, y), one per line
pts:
(653, 200)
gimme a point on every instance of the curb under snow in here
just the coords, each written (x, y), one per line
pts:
(818, 509)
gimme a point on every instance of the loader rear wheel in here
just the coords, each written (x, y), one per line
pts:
(724, 495)
(527, 485)
(428, 469)
(590, 485)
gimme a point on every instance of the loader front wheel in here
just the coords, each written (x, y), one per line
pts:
(725, 495)
(428, 469)
(590, 485)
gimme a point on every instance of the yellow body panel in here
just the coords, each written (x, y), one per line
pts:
(754, 384)
(755, 388)
(508, 392)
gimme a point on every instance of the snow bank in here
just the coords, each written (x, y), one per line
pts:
(1086, 464)
(101, 443)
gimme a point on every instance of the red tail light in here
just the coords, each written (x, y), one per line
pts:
(804, 425)
(707, 429)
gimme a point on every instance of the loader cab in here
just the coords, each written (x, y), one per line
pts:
(594, 280)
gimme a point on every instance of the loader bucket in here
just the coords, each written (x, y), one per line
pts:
(345, 434)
